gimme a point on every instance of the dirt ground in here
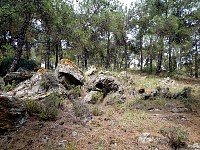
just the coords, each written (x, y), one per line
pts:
(114, 129)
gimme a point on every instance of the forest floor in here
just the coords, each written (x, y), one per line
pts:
(117, 126)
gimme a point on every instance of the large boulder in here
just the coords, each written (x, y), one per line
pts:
(17, 77)
(40, 85)
(69, 74)
(12, 113)
(105, 84)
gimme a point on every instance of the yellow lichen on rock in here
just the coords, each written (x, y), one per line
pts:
(42, 70)
(69, 62)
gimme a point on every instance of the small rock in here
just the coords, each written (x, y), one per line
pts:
(154, 110)
(61, 123)
(169, 105)
(45, 139)
(179, 110)
(145, 138)
(74, 133)
(91, 70)
(62, 143)
(194, 146)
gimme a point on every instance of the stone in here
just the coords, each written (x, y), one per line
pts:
(114, 98)
(40, 85)
(179, 110)
(74, 133)
(69, 74)
(17, 77)
(12, 113)
(62, 143)
(194, 146)
(162, 92)
(145, 138)
(185, 93)
(139, 106)
(93, 97)
(91, 71)
(167, 81)
(104, 84)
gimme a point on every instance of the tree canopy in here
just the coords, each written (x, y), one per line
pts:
(150, 35)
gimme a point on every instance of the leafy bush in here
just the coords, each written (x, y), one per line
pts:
(32, 107)
(28, 64)
(8, 87)
(70, 146)
(96, 111)
(23, 63)
(177, 136)
(49, 108)
(97, 97)
(75, 92)
(80, 109)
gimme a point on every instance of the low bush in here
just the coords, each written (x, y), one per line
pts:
(177, 136)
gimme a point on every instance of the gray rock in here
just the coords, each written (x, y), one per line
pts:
(169, 105)
(114, 98)
(104, 83)
(195, 146)
(145, 138)
(179, 110)
(62, 143)
(93, 97)
(74, 133)
(69, 74)
(40, 85)
(17, 77)
(185, 93)
(91, 71)
(12, 113)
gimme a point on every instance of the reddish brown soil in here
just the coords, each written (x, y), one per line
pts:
(102, 132)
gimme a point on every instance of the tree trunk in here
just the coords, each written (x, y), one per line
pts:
(141, 54)
(108, 51)
(160, 56)
(47, 56)
(21, 42)
(151, 57)
(196, 69)
(56, 53)
(170, 56)
(84, 57)
(125, 51)
(60, 50)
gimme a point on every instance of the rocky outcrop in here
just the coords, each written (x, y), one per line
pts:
(40, 85)
(69, 74)
(93, 97)
(12, 113)
(92, 70)
(17, 77)
(104, 84)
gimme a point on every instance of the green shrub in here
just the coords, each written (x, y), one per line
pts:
(75, 92)
(46, 108)
(23, 63)
(28, 64)
(32, 107)
(177, 136)
(80, 109)
(49, 108)
(96, 111)
(8, 87)
(70, 146)
(97, 97)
